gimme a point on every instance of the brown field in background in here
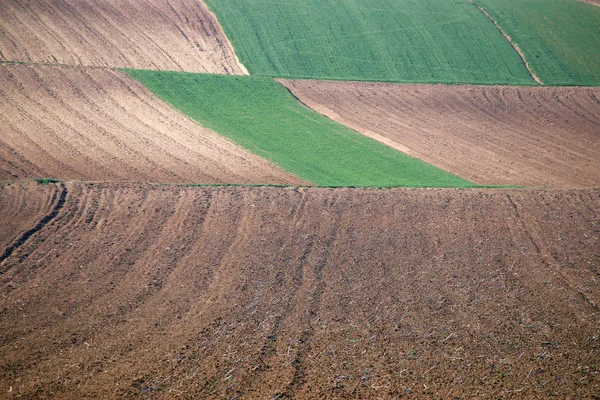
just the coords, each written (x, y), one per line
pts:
(98, 124)
(141, 291)
(174, 35)
(529, 136)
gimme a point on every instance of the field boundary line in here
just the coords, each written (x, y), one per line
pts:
(219, 26)
(48, 64)
(513, 44)
(591, 2)
(38, 227)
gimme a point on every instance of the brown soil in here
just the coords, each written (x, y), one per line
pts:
(536, 136)
(22, 205)
(150, 34)
(98, 124)
(592, 2)
(139, 291)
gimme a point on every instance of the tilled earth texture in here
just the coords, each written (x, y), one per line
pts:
(98, 124)
(532, 136)
(140, 291)
(175, 35)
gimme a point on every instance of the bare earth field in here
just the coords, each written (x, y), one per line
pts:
(152, 34)
(530, 136)
(141, 291)
(98, 124)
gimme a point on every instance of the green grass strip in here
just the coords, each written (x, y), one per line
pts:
(262, 116)
(559, 38)
(427, 41)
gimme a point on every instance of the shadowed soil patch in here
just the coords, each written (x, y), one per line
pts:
(530, 136)
(151, 291)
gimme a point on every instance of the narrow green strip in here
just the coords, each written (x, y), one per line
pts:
(261, 115)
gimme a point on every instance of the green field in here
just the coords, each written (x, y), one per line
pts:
(379, 40)
(560, 38)
(262, 116)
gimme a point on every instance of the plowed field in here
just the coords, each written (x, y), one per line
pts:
(489, 135)
(151, 34)
(98, 124)
(160, 292)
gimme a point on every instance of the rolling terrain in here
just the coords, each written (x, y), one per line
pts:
(529, 136)
(185, 250)
(428, 41)
(181, 35)
(262, 116)
(98, 124)
(136, 290)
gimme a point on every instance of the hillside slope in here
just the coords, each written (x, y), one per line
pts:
(181, 35)
(530, 136)
(151, 291)
(98, 124)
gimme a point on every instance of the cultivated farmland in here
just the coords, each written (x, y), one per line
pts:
(141, 290)
(559, 38)
(163, 234)
(178, 35)
(262, 116)
(381, 40)
(530, 136)
(98, 124)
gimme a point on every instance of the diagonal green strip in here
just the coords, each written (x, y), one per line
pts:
(260, 115)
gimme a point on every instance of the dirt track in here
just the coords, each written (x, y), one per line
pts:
(150, 34)
(151, 291)
(97, 124)
(490, 135)
(592, 2)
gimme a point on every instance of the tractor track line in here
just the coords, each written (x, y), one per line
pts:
(38, 227)
(513, 44)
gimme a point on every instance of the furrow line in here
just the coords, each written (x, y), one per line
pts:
(40, 225)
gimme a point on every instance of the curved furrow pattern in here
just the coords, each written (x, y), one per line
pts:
(95, 124)
(531, 136)
(117, 34)
(281, 293)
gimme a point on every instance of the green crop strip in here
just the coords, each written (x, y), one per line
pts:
(559, 38)
(262, 116)
(427, 41)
